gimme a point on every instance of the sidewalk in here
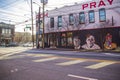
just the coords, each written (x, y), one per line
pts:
(93, 54)
(117, 50)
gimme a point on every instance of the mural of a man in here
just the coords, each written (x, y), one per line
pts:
(90, 43)
(108, 42)
(76, 43)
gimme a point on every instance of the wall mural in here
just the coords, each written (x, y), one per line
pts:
(76, 43)
(108, 42)
(90, 43)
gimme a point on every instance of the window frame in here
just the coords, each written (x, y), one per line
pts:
(3, 31)
(82, 16)
(59, 21)
(71, 20)
(52, 22)
(102, 15)
(91, 15)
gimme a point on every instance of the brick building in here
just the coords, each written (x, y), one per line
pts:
(6, 33)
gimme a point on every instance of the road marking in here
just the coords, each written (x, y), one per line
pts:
(39, 55)
(6, 50)
(111, 54)
(14, 70)
(7, 55)
(100, 65)
(71, 62)
(16, 56)
(46, 59)
(81, 77)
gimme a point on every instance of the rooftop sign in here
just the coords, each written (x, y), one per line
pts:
(96, 4)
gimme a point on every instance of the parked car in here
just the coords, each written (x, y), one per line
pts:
(2, 44)
(12, 44)
(29, 44)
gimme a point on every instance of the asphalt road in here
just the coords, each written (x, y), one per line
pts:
(78, 54)
(34, 64)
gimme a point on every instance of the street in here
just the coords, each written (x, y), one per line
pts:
(19, 63)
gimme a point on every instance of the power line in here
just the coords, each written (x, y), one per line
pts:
(9, 4)
(28, 3)
(6, 20)
(11, 14)
(25, 21)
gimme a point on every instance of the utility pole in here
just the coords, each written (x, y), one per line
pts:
(39, 16)
(43, 35)
(32, 23)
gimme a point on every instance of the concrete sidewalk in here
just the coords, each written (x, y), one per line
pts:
(94, 54)
(117, 50)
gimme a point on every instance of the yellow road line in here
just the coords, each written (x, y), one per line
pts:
(71, 62)
(100, 65)
(46, 59)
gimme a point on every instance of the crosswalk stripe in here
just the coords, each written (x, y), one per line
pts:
(10, 50)
(100, 65)
(46, 59)
(71, 62)
(81, 77)
(13, 57)
(7, 55)
(39, 55)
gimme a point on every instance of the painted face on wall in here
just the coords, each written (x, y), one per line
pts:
(90, 40)
(76, 43)
(90, 43)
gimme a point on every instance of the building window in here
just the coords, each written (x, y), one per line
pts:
(3, 31)
(51, 22)
(59, 21)
(69, 39)
(71, 19)
(52, 39)
(6, 31)
(63, 39)
(82, 18)
(91, 16)
(9, 31)
(102, 15)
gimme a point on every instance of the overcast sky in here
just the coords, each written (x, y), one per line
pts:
(18, 11)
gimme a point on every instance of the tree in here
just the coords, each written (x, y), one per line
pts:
(22, 37)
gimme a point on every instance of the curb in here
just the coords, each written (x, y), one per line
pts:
(81, 50)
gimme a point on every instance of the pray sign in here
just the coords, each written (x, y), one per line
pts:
(95, 4)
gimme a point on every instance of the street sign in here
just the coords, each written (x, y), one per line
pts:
(44, 1)
(41, 15)
(28, 26)
(39, 32)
